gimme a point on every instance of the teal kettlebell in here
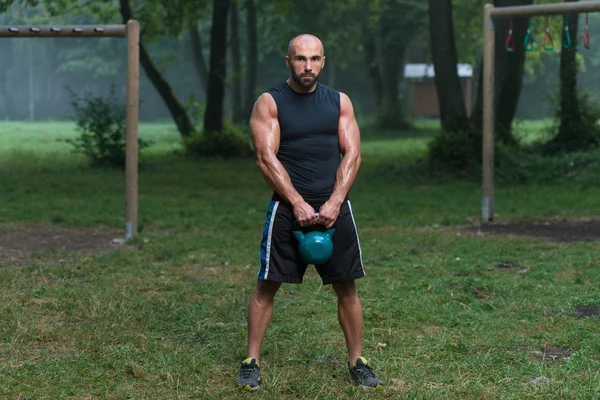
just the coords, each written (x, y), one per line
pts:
(315, 247)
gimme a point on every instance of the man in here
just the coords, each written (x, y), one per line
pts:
(299, 128)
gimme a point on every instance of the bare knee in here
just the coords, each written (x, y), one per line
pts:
(346, 291)
(264, 292)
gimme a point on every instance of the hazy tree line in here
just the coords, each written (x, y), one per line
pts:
(205, 61)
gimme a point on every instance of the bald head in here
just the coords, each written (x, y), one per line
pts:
(305, 60)
(305, 43)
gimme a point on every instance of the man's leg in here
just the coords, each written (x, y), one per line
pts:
(351, 321)
(260, 311)
(341, 271)
(350, 318)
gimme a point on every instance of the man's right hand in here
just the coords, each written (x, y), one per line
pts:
(305, 214)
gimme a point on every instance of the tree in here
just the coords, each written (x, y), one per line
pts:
(178, 111)
(236, 63)
(461, 149)
(251, 57)
(385, 43)
(152, 16)
(213, 117)
(369, 44)
(577, 129)
(509, 69)
(570, 114)
(198, 55)
(451, 101)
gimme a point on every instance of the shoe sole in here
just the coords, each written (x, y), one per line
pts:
(249, 388)
(378, 387)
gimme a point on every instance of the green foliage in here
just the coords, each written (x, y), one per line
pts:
(168, 17)
(390, 117)
(454, 152)
(459, 155)
(103, 131)
(579, 134)
(527, 166)
(230, 143)
(468, 31)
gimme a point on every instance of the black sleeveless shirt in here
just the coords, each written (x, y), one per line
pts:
(309, 148)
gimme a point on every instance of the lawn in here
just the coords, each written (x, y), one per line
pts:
(451, 310)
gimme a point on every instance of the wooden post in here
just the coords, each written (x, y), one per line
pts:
(487, 202)
(409, 101)
(131, 164)
(468, 90)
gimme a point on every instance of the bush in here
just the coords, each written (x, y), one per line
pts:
(230, 143)
(580, 134)
(391, 118)
(102, 127)
(529, 167)
(454, 152)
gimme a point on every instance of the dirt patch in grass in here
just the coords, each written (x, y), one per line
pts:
(550, 354)
(558, 230)
(553, 353)
(19, 242)
(586, 311)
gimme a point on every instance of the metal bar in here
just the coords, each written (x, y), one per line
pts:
(64, 31)
(546, 9)
(487, 202)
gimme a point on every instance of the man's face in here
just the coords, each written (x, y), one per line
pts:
(305, 63)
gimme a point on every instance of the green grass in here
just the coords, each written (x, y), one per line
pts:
(166, 318)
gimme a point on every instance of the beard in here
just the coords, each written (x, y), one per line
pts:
(304, 80)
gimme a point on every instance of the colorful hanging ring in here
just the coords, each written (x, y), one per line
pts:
(509, 44)
(586, 34)
(528, 42)
(547, 37)
(567, 35)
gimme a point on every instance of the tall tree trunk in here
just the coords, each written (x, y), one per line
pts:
(251, 57)
(371, 61)
(331, 73)
(573, 134)
(451, 100)
(178, 112)
(197, 52)
(509, 69)
(6, 101)
(213, 117)
(236, 64)
(395, 39)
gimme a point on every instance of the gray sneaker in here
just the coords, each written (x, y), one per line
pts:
(363, 375)
(249, 375)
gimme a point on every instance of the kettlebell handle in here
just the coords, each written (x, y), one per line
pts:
(296, 221)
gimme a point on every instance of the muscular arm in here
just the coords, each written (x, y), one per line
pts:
(349, 140)
(264, 128)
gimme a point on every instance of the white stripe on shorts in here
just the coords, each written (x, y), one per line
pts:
(357, 240)
(269, 236)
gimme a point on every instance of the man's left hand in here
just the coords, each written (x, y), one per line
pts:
(328, 213)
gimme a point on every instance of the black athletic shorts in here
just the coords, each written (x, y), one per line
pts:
(279, 256)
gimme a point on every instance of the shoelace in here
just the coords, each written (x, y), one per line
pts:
(366, 370)
(247, 371)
